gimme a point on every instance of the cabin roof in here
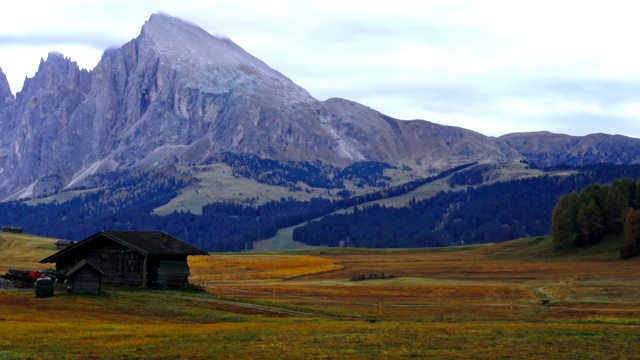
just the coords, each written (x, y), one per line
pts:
(65, 242)
(144, 242)
(80, 265)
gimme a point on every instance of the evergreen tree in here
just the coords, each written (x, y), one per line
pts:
(616, 207)
(590, 222)
(636, 200)
(563, 221)
(631, 234)
(596, 193)
(626, 187)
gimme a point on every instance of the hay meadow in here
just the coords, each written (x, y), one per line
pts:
(513, 300)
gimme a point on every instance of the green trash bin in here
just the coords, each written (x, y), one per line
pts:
(44, 287)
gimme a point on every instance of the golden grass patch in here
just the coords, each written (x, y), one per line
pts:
(257, 267)
(23, 251)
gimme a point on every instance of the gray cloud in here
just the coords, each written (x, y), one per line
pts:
(94, 40)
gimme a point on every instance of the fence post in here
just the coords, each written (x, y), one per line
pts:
(579, 310)
(512, 310)
(380, 308)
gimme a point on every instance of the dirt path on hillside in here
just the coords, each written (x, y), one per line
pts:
(246, 308)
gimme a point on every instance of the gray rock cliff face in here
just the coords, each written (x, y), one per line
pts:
(39, 137)
(5, 91)
(176, 94)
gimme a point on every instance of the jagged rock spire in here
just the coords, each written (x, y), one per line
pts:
(5, 91)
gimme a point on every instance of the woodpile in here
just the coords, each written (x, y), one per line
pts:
(6, 284)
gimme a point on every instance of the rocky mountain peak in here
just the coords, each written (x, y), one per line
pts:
(57, 73)
(5, 91)
(212, 63)
(183, 42)
(178, 95)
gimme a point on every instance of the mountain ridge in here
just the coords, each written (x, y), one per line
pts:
(178, 95)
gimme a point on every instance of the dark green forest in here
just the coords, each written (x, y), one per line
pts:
(492, 213)
(125, 201)
(318, 175)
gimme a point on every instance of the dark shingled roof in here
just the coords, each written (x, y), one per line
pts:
(65, 242)
(80, 265)
(153, 242)
(144, 242)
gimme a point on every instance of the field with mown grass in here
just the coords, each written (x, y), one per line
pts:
(497, 301)
(23, 251)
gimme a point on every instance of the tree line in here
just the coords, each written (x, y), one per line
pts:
(316, 174)
(583, 219)
(491, 213)
(125, 201)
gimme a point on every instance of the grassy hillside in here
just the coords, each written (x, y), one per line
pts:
(542, 247)
(217, 183)
(24, 251)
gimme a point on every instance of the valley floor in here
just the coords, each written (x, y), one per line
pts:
(452, 303)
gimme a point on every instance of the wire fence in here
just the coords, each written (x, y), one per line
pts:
(375, 308)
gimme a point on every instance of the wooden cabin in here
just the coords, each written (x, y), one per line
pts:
(12, 229)
(149, 259)
(63, 244)
(85, 278)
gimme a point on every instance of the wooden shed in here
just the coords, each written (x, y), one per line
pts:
(149, 259)
(63, 244)
(12, 229)
(85, 278)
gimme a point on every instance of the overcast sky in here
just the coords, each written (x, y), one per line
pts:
(495, 67)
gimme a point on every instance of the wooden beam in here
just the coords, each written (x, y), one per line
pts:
(145, 273)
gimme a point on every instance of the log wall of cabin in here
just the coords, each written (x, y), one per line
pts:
(170, 271)
(86, 280)
(119, 264)
(122, 265)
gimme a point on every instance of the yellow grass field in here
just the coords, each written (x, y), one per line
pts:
(483, 303)
(225, 268)
(467, 284)
(22, 251)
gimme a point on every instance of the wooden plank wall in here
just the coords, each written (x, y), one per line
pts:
(86, 280)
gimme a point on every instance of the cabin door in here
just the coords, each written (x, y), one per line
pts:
(131, 268)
